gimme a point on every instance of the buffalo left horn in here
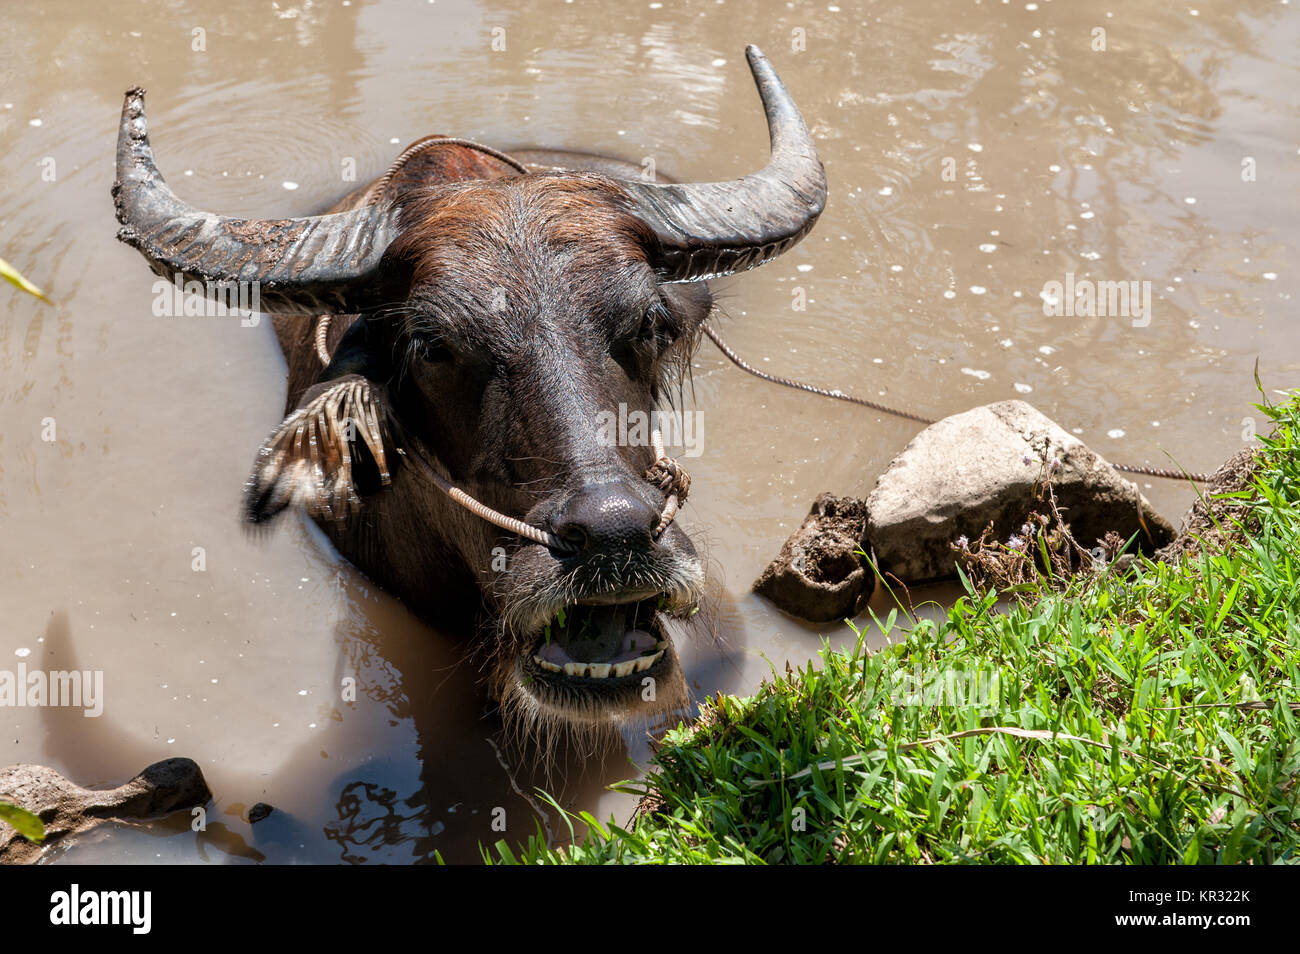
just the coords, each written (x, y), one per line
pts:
(322, 264)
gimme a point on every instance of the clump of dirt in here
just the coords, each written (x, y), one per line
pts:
(1045, 552)
(1042, 552)
(818, 574)
(1214, 522)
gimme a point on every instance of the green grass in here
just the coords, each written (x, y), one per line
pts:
(27, 824)
(1145, 718)
(15, 278)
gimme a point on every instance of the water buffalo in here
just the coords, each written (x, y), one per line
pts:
(484, 310)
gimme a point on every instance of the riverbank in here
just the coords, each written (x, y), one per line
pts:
(1147, 714)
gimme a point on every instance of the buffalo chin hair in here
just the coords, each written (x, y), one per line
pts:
(580, 723)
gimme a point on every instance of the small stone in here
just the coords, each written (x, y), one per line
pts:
(258, 812)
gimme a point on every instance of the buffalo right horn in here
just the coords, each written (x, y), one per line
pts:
(323, 264)
(711, 229)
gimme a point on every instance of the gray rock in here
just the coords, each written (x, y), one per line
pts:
(984, 466)
(66, 808)
(817, 575)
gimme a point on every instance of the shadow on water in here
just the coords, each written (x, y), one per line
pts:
(425, 769)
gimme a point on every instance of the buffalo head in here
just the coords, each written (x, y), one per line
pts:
(492, 317)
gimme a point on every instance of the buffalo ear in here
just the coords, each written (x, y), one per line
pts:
(363, 349)
(326, 455)
(355, 355)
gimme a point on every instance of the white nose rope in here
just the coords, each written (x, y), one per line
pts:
(526, 530)
(670, 477)
(665, 473)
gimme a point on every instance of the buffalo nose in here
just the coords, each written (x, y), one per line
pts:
(607, 518)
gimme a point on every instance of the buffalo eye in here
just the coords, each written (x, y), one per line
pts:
(656, 329)
(431, 351)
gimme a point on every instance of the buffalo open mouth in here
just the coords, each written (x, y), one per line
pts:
(602, 644)
(596, 658)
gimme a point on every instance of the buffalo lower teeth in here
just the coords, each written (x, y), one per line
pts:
(604, 670)
(645, 662)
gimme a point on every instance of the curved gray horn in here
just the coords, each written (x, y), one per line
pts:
(712, 229)
(319, 265)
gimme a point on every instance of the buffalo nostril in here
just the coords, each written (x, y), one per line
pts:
(607, 518)
(573, 534)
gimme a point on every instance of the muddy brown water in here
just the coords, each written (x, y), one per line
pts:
(975, 151)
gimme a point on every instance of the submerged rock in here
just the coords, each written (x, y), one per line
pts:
(984, 466)
(817, 575)
(67, 809)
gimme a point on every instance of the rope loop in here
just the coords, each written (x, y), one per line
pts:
(670, 477)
